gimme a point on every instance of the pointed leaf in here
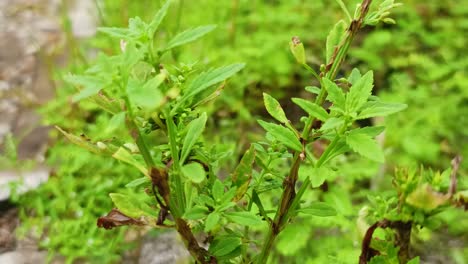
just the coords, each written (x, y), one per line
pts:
(224, 245)
(189, 36)
(359, 92)
(332, 123)
(132, 206)
(154, 24)
(83, 142)
(217, 190)
(115, 32)
(115, 122)
(354, 76)
(380, 109)
(148, 96)
(211, 221)
(196, 212)
(194, 171)
(319, 209)
(334, 38)
(212, 77)
(244, 218)
(138, 182)
(123, 155)
(194, 130)
(274, 108)
(312, 109)
(282, 134)
(243, 173)
(365, 146)
(335, 94)
(90, 85)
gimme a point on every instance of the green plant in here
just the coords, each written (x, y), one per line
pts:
(160, 108)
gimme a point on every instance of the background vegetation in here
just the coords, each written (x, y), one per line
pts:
(420, 61)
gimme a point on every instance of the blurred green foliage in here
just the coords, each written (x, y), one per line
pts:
(420, 61)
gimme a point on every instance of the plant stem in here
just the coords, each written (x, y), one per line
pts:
(289, 199)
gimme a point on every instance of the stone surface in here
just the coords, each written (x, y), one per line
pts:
(166, 248)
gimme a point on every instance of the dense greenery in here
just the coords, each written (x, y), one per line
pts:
(233, 175)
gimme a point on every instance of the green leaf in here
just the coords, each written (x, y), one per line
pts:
(359, 92)
(354, 76)
(138, 182)
(312, 109)
(365, 146)
(334, 38)
(243, 173)
(123, 155)
(283, 135)
(189, 36)
(212, 77)
(154, 24)
(211, 221)
(224, 245)
(132, 206)
(115, 122)
(218, 190)
(115, 32)
(148, 96)
(243, 218)
(83, 142)
(332, 123)
(196, 212)
(293, 238)
(194, 131)
(274, 108)
(335, 94)
(317, 176)
(372, 131)
(313, 89)
(378, 108)
(319, 209)
(194, 171)
(91, 85)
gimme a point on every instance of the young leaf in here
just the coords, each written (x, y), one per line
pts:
(335, 94)
(83, 142)
(317, 176)
(243, 173)
(115, 122)
(212, 77)
(118, 33)
(211, 221)
(91, 85)
(283, 135)
(425, 198)
(354, 76)
(154, 24)
(224, 245)
(334, 38)
(332, 123)
(189, 36)
(123, 155)
(138, 182)
(274, 108)
(297, 49)
(359, 92)
(380, 109)
(319, 209)
(196, 212)
(148, 96)
(313, 89)
(365, 146)
(243, 218)
(194, 130)
(217, 190)
(194, 171)
(312, 109)
(132, 206)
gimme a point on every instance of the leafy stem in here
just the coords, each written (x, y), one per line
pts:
(289, 199)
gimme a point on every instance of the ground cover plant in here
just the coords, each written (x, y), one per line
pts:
(158, 104)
